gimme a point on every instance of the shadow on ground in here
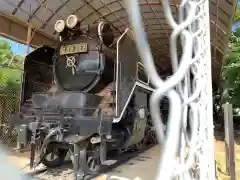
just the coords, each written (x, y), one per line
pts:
(65, 172)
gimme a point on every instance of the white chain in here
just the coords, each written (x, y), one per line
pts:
(185, 155)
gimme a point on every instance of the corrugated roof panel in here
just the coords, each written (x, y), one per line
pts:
(74, 5)
(114, 6)
(109, 1)
(53, 20)
(53, 5)
(64, 12)
(29, 6)
(121, 12)
(6, 7)
(23, 14)
(49, 29)
(43, 14)
(13, 2)
(91, 19)
(84, 12)
(36, 22)
(89, 11)
(97, 4)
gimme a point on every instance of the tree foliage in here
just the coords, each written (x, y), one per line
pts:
(11, 64)
(237, 15)
(11, 67)
(231, 71)
(230, 74)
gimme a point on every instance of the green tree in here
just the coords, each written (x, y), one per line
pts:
(11, 67)
(5, 52)
(231, 72)
(237, 15)
(11, 64)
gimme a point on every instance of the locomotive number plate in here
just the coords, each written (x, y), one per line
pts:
(74, 48)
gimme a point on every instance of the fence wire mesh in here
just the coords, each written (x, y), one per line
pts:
(10, 89)
(188, 143)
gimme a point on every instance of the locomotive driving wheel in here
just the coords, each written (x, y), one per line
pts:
(142, 144)
(148, 139)
(54, 157)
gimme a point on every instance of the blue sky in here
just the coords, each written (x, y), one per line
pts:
(17, 47)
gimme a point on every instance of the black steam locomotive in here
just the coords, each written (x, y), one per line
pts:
(84, 97)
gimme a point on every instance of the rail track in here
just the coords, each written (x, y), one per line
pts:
(66, 172)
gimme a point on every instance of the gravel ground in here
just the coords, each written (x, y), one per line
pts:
(21, 161)
(63, 173)
(142, 165)
(129, 162)
(125, 170)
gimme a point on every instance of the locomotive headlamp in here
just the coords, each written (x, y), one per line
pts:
(72, 21)
(59, 26)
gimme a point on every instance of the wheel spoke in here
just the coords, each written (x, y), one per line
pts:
(94, 164)
(93, 159)
(52, 156)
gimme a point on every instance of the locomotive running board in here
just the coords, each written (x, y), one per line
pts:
(139, 84)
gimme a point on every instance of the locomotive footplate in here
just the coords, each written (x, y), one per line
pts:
(72, 123)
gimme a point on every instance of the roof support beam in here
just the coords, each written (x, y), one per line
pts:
(15, 29)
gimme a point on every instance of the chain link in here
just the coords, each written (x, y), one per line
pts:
(9, 103)
(187, 149)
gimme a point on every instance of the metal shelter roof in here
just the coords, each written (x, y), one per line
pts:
(43, 14)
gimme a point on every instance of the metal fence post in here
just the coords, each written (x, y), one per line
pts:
(229, 140)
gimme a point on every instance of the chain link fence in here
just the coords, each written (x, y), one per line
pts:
(187, 153)
(11, 70)
(10, 90)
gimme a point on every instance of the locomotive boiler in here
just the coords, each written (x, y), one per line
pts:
(85, 97)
